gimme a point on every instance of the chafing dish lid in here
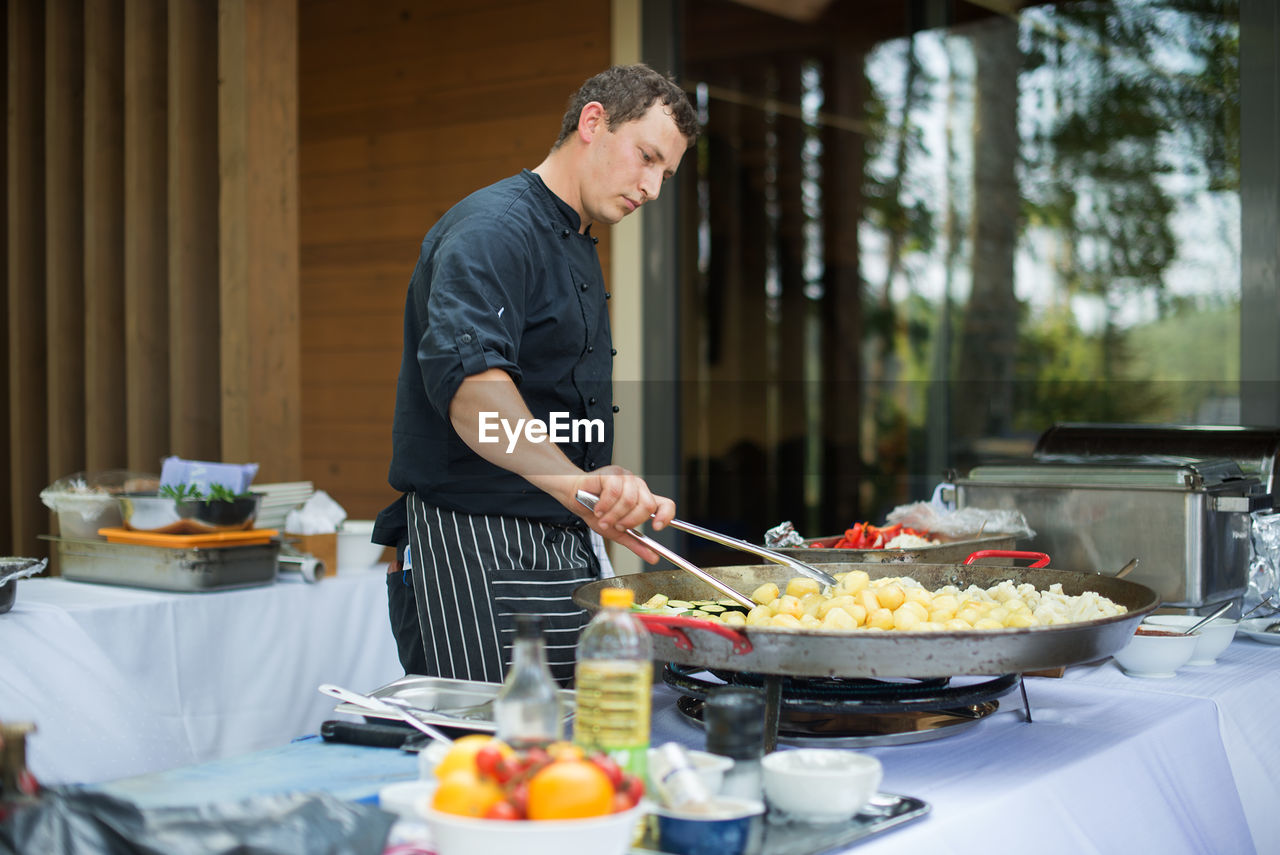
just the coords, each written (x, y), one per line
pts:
(1132, 472)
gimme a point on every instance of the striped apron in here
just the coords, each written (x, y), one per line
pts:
(472, 574)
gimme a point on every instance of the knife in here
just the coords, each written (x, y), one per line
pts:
(374, 735)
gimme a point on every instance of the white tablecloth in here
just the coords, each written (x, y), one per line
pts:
(122, 681)
(1109, 764)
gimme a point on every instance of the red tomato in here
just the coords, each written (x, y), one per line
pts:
(610, 768)
(488, 759)
(519, 797)
(631, 788)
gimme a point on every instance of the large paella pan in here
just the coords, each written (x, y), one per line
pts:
(809, 653)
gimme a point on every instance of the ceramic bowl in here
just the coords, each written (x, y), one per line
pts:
(152, 512)
(601, 835)
(710, 767)
(355, 550)
(726, 826)
(820, 784)
(1215, 636)
(407, 799)
(1156, 652)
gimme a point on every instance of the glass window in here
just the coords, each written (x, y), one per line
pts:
(916, 244)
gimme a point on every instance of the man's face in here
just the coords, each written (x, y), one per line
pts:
(626, 166)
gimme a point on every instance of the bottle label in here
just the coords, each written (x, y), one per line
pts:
(612, 711)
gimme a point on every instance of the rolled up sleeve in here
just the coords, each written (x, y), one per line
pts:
(474, 310)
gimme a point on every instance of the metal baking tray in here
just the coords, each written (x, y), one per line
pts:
(463, 704)
(164, 568)
(777, 836)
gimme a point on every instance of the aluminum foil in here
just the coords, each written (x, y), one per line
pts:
(783, 534)
(1264, 566)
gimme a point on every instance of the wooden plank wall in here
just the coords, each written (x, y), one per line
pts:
(128, 171)
(405, 108)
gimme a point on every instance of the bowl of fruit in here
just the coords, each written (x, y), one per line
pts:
(491, 798)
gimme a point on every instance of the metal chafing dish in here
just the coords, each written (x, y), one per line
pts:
(1178, 498)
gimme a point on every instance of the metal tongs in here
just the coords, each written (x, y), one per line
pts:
(590, 499)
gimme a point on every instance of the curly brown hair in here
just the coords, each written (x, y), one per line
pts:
(627, 92)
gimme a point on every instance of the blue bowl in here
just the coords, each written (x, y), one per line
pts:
(729, 827)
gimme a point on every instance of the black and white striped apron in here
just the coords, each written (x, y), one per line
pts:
(472, 574)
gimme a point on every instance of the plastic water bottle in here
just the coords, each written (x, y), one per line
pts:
(527, 707)
(614, 680)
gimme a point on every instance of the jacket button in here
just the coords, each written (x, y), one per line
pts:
(608, 296)
(591, 401)
(564, 233)
(613, 351)
(591, 349)
(466, 338)
(583, 286)
(617, 409)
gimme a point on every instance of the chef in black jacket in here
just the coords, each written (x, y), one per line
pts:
(504, 404)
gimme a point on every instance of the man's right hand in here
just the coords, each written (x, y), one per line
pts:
(625, 502)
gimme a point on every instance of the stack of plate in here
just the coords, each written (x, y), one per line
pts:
(278, 499)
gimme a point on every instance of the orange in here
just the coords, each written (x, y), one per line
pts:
(565, 751)
(570, 789)
(462, 754)
(465, 793)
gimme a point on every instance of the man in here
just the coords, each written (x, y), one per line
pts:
(504, 403)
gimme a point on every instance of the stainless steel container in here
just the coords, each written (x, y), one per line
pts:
(167, 568)
(1098, 495)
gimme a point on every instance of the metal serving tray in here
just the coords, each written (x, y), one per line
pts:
(464, 704)
(818, 550)
(166, 568)
(776, 836)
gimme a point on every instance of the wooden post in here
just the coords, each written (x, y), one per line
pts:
(194, 328)
(28, 423)
(258, 230)
(146, 233)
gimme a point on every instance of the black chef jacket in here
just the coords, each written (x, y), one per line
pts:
(504, 280)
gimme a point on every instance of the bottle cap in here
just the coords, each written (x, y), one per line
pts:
(528, 626)
(617, 598)
(734, 719)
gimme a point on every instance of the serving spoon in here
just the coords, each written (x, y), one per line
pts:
(1218, 612)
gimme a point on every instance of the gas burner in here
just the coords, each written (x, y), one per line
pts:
(849, 713)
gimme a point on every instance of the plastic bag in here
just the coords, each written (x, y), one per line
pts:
(72, 821)
(86, 501)
(962, 524)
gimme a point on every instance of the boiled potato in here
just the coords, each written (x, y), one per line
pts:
(766, 593)
(800, 586)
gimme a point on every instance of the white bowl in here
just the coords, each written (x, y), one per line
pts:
(1156, 655)
(1215, 636)
(600, 835)
(355, 550)
(408, 799)
(820, 784)
(710, 767)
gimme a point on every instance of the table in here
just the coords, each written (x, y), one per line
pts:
(1109, 763)
(123, 681)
